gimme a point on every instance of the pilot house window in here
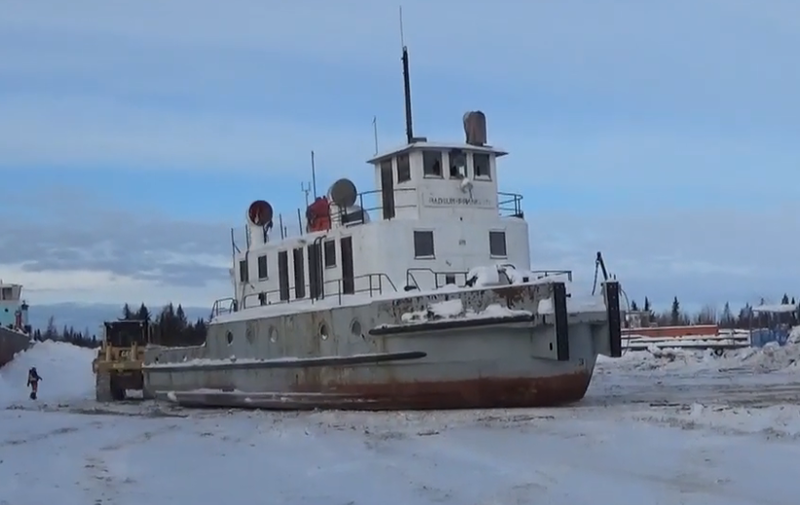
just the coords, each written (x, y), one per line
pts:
(423, 244)
(480, 163)
(497, 244)
(403, 168)
(432, 163)
(330, 253)
(458, 164)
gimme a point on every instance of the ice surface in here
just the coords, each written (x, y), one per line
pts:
(702, 430)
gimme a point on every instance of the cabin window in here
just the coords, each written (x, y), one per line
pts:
(6, 293)
(386, 166)
(458, 164)
(262, 266)
(330, 253)
(244, 275)
(299, 273)
(403, 168)
(497, 244)
(423, 244)
(481, 166)
(432, 163)
(283, 275)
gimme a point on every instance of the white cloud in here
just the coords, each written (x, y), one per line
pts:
(92, 286)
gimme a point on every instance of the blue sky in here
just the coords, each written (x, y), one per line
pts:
(134, 134)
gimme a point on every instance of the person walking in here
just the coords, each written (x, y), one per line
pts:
(33, 382)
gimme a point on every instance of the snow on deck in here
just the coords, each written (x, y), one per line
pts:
(656, 427)
(449, 310)
(485, 277)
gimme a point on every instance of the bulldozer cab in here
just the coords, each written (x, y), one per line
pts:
(118, 364)
(127, 333)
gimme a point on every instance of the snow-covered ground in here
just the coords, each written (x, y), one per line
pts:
(658, 427)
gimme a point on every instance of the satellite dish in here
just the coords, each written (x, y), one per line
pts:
(343, 193)
(260, 213)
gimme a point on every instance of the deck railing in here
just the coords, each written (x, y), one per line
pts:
(375, 284)
(371, 203)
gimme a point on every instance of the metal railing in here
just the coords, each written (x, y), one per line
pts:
(411, 280)
(510, 204)
(376, 284)
(286, 226)
(410, 277)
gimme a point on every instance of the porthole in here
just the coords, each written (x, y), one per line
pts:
(355, 328)
(323, 331)
(273, 334)
(229, 336)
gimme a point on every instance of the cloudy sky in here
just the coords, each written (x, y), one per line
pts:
(133, 135)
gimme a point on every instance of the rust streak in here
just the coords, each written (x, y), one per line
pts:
(472, 393)
(482, 393)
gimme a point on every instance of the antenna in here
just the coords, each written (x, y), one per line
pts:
(305, 189)
(406, 83)
(402, 41)
(313, 177)
(375, 131)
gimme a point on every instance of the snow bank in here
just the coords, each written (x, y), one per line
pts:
(770, 358)
(66, 372)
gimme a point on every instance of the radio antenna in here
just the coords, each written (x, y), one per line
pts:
(375, 131)
(313, 175)
(305, 189)
(406, 83)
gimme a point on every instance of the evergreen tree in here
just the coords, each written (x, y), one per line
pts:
(727, 320)
(675, 312)
(143, 313)
(50, 332)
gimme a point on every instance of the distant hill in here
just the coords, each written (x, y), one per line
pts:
(82, 316)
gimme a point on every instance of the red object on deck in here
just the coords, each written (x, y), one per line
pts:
(318, 215)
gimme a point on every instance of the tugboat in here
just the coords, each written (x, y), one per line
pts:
(15, 332)
(423, 301)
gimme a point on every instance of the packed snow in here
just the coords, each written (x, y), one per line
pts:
(657, 426)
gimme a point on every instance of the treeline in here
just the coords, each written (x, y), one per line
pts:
(744, 318)
(170, 327)
(67, 334)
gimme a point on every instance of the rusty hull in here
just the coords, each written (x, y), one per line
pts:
(482, 393)
(514, 365)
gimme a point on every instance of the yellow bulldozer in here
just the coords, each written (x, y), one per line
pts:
(118, 364)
